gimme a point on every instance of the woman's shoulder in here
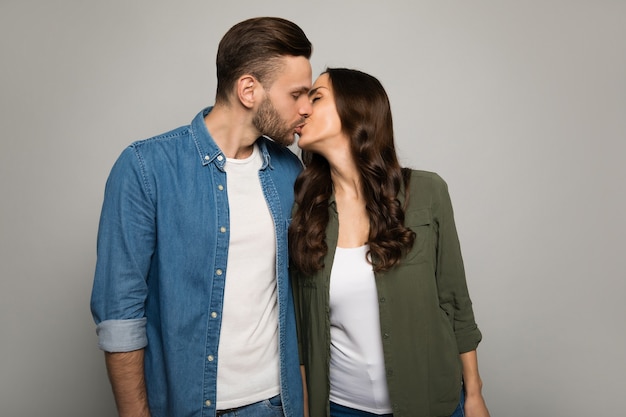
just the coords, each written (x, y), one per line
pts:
(426, 190)
(424, 180)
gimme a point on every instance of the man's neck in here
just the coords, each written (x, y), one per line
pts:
(232, 130)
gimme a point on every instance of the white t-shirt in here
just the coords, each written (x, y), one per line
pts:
(248, 364)
(357, 367)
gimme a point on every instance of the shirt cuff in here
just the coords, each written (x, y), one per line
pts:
(122, 335)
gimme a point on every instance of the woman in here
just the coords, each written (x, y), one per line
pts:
(385, 320)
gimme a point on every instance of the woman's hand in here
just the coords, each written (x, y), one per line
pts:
(475, 406)
(472, 384)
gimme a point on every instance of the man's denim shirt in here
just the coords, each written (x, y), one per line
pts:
(162, 255)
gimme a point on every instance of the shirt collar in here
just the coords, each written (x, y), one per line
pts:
(209, 151)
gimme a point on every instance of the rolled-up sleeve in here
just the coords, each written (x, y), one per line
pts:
(126, 241)
(454, 296)
(122, 335)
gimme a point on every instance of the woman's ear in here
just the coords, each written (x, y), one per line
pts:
(246, 90)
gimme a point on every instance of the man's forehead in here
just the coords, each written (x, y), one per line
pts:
(296, 74)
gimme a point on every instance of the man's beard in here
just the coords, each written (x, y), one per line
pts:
(269, 123)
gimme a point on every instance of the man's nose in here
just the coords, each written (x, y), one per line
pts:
(305, 107)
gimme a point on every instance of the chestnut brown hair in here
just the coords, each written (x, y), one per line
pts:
(365, 113)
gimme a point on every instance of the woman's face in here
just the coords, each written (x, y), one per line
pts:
(322, 129)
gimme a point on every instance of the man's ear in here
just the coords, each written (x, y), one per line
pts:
(247, 93)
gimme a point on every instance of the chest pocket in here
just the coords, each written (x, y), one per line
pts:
(420, 221)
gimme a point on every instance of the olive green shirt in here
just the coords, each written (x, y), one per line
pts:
(426, 317)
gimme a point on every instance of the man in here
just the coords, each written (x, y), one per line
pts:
(191, 295)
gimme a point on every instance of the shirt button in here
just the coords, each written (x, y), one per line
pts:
(214, 314)
(382, 299)
(218, 272)
(220, 187)
(207, 157)
(220, 158)
(207, 403)
(386, 336)
(210, 358)
(223, 229)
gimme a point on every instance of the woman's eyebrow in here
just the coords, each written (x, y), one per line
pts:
(313, 91)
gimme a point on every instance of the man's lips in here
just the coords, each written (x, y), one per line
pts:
(298, 129)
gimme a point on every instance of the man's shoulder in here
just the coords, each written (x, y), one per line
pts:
(174, 146)
(170, 138)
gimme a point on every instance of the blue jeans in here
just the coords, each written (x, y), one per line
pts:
(460, 409)
(272, 407)
(337, 410)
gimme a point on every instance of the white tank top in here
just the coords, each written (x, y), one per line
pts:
(357, 368)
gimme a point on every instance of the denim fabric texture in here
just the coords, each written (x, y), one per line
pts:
(161, 267)
(460, 409)
(337, 410)
(271, 407)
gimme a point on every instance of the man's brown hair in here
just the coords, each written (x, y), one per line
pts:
(254, 47)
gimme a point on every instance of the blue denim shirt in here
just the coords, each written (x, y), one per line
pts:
(162, 256)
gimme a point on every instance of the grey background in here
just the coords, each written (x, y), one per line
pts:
(520, 106)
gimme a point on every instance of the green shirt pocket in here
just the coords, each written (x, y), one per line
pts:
(419, 221)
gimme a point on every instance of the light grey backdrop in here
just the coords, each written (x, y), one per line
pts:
(520, 106)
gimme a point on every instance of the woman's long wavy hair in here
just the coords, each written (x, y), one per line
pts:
(365, 114)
